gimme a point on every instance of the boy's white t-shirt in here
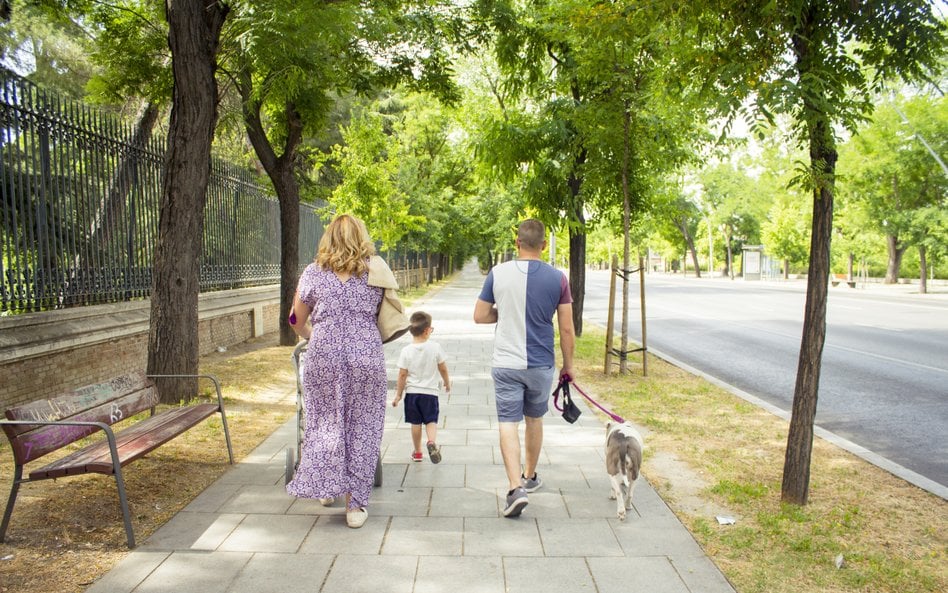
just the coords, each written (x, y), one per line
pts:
(421, 360)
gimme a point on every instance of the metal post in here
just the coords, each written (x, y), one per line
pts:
(610, 315)
(642, 307)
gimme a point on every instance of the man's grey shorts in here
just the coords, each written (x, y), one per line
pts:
(522, 392)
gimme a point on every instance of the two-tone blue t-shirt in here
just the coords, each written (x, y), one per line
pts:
(527, 294)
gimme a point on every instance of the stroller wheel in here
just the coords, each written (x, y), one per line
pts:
(290, 466)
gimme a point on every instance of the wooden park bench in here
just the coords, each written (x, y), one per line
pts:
(41, 427)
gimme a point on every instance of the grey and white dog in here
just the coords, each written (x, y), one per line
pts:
(623, 460)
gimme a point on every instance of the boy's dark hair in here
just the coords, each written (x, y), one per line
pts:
(420, 321)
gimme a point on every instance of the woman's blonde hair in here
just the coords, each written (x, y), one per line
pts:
(345, 246)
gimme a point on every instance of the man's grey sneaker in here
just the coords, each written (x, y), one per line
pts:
(531, 484)
(516, 501)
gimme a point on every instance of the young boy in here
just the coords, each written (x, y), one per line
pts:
(419, 365)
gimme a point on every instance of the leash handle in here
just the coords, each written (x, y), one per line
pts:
(565, 380)
(564, 387)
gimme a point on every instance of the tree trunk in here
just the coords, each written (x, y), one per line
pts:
(626, 244)
(896, 251)
(288, 193)
(194, 33)
(577, 276)
(796, 470)
(849, 269)
(923, 270)
(577, 246)
(690, 241)
(730, 254)
(281, 171)
(786, 269)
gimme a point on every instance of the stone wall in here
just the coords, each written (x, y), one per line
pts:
(42, 354)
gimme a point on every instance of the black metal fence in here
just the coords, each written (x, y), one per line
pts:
(80, 193)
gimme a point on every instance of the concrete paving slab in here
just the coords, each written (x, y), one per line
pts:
(256, 473)
(466, 454)
(424, 536)
(575, 537)
(551, 575)
(127, 574)
(401, 501)
(655, 536)
(195, 572)
(281, 573)
(655, 575)
(701, 575)
(259, 499)
(499, 536)
(331, 536)
(371, 574)
(482, 476)
(268, 533)
(460, 575)
(463, 502)
(193, 531)
(428, 475)
(213, 497)
(458, 422)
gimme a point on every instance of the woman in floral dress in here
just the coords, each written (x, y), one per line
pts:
(344, 380)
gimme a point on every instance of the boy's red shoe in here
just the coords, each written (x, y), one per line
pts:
(416, 456)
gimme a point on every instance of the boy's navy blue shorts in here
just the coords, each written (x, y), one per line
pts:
(421, 408)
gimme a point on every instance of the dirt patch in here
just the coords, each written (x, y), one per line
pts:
(681, 486)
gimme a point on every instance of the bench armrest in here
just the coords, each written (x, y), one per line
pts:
(220, 405)
(217, 384)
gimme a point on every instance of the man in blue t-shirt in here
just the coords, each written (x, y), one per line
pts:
(521, 296)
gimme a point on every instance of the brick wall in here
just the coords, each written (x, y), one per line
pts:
(28, 379)
(68, 363)
(224, 331)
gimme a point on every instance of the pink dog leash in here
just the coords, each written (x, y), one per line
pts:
(565, 380)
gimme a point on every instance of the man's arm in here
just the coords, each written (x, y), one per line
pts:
(484, 312)
(564, 319)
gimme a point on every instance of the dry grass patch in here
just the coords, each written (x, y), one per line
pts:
(66, 533)
(710, 452)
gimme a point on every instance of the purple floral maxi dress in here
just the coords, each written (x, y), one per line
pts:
(344, 388)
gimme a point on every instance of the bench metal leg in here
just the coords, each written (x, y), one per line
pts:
(123, 500)
(17, 477)
(120, 484)
(230, 450)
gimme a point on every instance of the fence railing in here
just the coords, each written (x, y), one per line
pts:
(80, 191)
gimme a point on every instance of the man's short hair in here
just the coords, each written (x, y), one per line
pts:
(420, 321)
(531, 234)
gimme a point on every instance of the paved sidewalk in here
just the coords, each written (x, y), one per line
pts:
(431, 528)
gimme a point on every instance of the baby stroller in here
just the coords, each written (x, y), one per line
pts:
(293, 455)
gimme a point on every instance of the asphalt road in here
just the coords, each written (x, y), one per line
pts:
(884, 379)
